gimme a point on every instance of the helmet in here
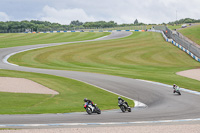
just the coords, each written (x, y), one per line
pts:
(85, 99)
(119, 98)
(174, 85)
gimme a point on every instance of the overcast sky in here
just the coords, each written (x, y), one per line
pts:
(120, 11)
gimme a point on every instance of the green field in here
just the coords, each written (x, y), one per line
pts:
(143, 55)
(174, 27)
(193, 33)
(70, 98)
(21, 39)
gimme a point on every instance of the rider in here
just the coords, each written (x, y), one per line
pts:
(122, 100)
(175, 87)
(88, 101)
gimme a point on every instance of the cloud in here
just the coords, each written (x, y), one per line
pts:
(64, 16)
(120, 11)
(4, 17)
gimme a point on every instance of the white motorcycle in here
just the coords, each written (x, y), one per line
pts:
(177, 90)
(91, 109)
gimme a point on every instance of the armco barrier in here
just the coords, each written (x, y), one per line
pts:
(180, 46)
(176, 44)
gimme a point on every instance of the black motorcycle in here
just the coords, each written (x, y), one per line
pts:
(124, 107)
(91, 109)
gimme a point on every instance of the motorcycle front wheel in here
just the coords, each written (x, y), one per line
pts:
(98, 110)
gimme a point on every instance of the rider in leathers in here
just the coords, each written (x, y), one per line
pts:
(88, 101)
(122, 100)
(175, 87)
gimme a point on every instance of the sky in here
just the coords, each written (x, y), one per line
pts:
(120, 11)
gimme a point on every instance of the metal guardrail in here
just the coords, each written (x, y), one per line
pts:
(180, 39)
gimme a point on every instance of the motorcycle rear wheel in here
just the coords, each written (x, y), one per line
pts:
(89, 111)
(122, 108)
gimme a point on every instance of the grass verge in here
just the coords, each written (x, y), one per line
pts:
(174, 26)
(193, 33)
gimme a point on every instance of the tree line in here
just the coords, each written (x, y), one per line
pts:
(184, 21)
(37, 26)
(33, 25)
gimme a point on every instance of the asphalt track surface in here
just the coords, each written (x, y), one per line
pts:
(162, 103)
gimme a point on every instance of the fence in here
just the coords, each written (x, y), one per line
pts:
(181, 40)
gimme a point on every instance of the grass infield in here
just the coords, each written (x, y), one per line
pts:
(70, 98)
(21, 39)
(143, 55)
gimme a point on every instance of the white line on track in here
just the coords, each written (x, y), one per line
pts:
(5, 59)
(109, 123)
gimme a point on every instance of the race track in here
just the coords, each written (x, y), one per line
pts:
(162, 103)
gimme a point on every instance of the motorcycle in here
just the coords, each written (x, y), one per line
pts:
(123, 106)
(177, 90)
(91, 109)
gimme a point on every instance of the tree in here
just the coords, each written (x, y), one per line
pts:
(136, 22)
(76, 23)
(100, 24)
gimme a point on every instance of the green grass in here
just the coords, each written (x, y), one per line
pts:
(143, 55)
(9, 129)
(174, 27)
(70, 98)
(21, 39)
(193, 33)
